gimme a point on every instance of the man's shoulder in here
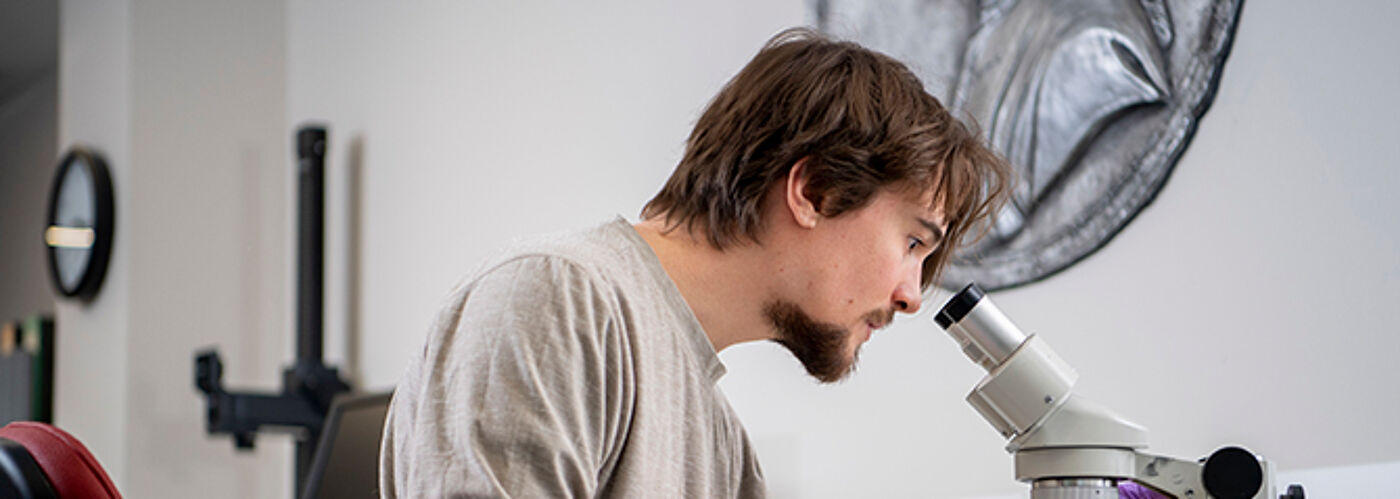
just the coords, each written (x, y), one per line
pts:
(528, 293)
(599, 244)
(595, 257)
(595, 250)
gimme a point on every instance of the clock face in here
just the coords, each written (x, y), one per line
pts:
(79, 231)
(71, 235)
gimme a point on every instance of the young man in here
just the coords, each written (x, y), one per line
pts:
(821, 192)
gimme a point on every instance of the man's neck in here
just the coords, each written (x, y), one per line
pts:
(725, 289)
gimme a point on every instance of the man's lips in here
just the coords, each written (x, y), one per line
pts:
(877, 321)
(870, 328)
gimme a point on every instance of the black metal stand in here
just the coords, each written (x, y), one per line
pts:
(308, 386)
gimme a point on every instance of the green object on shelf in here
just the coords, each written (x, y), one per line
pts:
(26, 370)
(38, 341)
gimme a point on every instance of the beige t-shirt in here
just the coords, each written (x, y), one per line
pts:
(570, 367)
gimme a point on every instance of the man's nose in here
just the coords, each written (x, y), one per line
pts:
(907, 296)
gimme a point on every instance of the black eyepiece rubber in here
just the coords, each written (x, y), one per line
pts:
(958, 306)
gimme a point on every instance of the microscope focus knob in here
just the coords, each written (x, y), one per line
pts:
(1232, 473)
(1295, 491)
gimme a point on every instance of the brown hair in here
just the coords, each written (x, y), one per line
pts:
(862, 121)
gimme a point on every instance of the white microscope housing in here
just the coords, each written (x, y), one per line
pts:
(1066, 446)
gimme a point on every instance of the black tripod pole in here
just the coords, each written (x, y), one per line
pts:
(311, 216)
(311, 231)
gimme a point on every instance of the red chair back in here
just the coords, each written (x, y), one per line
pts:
(72, 470)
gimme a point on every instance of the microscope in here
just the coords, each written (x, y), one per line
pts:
(1066, 446)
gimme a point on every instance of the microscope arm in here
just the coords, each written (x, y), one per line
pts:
(1178, 477)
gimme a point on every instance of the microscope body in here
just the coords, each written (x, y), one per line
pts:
(1067, 446)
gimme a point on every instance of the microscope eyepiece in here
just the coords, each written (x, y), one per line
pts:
(985, 334)
(959, 306)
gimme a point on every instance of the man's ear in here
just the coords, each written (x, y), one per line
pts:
(805, 210)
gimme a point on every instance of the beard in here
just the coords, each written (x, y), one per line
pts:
(819, 346)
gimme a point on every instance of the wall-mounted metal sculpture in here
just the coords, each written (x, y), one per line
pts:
(1092, 101)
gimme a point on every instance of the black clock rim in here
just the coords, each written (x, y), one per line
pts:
(102, 227)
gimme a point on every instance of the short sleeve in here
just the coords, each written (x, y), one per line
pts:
(522, 390)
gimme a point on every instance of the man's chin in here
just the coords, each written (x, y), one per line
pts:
(837, 371)
(840, 377)
(823, 349)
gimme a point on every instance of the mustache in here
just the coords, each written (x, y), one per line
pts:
(880, 318)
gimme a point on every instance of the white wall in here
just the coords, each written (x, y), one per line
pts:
(186, 101)
(90, 361)
(1248, 305)
(212, 235)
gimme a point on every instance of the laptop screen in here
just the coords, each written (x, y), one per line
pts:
(347, 458)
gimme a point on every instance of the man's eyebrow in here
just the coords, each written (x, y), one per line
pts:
(934, 228)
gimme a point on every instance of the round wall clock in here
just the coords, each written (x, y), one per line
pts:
(80, 222)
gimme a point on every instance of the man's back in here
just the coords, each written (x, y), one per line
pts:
(571, 366)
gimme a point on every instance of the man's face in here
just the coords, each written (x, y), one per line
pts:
(850, 275)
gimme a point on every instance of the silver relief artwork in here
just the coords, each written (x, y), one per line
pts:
(1092, 102)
